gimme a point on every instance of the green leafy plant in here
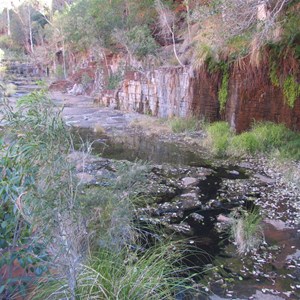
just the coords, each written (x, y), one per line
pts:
(244, 143)
(39, 146)
(223, 91)
(16, 244)
(264, 137)
(291, 90)
(273, 75)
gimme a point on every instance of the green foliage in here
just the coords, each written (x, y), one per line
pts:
(114, 81)
(273, 75)
(246, 230)
(239, 45)
(204, 53)
(179, 125)
(218, 135)
(39, 145)
(264, 137)
(291, 90)
(223, 91)
(244, 143)
(6, 42)
(141, 41)
(152, 274)
(291, 29)
(16, 244)
(94, 22)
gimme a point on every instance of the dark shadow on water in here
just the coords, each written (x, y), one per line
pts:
(139, 147)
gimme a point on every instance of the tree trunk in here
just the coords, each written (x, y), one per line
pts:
(30, 30)
(8, 22)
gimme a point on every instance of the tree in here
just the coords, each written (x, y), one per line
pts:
(240, 15)
(167, 25)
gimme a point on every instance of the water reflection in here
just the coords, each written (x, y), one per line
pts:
(140, 147)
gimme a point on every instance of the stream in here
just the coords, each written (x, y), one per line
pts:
(189, 193)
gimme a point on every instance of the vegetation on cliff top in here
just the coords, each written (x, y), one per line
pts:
(215, 30)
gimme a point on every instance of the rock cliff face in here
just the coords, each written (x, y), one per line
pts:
(177, 91)
(166, 92)
(252, 97)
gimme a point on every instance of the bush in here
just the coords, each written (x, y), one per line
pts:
(141, 41)
(218, 135)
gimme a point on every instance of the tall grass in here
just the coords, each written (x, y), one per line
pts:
(189, 124)
(152, 274)
(218, 136)
(266, 137)
(246, 230)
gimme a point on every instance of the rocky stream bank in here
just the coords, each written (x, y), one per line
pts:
(189, 193)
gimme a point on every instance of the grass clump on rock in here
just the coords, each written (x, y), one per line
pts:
(246, 230)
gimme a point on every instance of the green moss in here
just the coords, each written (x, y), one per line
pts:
(291, 90)
(223, 91)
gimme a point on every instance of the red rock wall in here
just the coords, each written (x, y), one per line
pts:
(252, 97)
(176, 91)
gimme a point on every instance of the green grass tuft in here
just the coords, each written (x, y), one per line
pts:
(179, 125)
(264, 137)
(245, 143)
(218, 135)
(152, 274)
(246, 230)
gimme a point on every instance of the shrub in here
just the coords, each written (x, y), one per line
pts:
(218, 137)
(273, 75)
(291, 149)
(291, 90)
(141, 41)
